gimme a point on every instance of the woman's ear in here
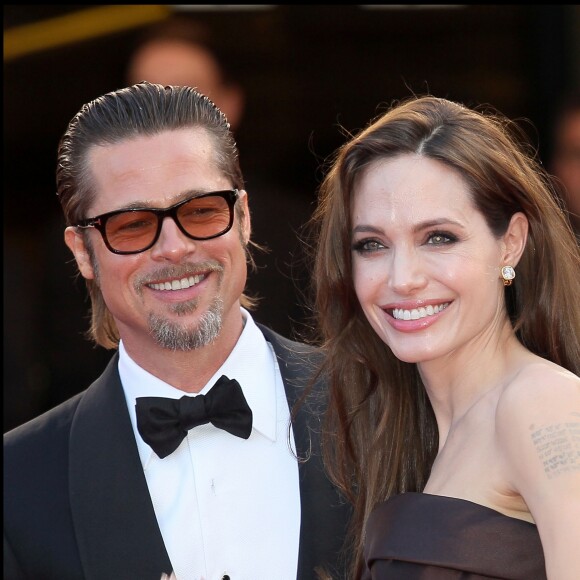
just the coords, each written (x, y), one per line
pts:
(76, 243)
(515, 239)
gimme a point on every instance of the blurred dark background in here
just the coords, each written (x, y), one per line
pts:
(307, 71)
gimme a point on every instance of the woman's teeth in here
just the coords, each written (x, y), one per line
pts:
(416, 313)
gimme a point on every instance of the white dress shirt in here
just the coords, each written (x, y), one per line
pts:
(227, 506)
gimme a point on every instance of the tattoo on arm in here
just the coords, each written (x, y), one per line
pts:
(558, 446)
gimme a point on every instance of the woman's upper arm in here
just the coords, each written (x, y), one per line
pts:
(538, 429)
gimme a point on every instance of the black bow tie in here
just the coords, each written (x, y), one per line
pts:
(164, 423)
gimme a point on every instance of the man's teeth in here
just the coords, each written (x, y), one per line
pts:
(417, 313)
(179, 284)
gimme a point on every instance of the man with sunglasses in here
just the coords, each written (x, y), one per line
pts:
(196, 451)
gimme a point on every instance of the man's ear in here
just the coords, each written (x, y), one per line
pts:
(515, 239)
(246, 225)
(76, 243)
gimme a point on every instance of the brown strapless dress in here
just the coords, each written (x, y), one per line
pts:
(419, 536)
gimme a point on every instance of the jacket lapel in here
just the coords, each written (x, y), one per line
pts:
(323, 513)
(116, 527)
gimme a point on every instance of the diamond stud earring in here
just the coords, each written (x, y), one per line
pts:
(508, 274)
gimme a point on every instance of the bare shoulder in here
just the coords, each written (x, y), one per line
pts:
(538, 417)
(537, 389)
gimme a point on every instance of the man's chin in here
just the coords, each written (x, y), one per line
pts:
(177, 335)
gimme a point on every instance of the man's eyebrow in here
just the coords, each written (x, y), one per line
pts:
(176, 199)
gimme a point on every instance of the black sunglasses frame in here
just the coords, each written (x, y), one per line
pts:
(99, 222)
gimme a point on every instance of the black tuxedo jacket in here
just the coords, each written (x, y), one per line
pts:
(76, 502)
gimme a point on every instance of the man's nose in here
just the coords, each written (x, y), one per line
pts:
(172, 243)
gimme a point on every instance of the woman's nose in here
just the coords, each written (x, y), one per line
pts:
(406, 271)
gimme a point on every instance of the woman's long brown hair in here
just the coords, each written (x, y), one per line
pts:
(380, 433)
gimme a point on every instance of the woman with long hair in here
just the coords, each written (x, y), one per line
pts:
(447, 290)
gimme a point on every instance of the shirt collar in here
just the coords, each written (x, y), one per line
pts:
(252, 363)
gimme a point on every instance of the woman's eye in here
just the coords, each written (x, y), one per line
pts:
(363, 246)
(439, 239)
